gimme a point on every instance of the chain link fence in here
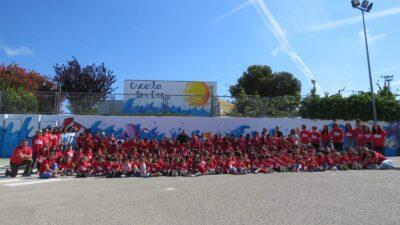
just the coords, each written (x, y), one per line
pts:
(147, 105)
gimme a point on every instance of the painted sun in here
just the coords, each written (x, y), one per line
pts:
(199, 93)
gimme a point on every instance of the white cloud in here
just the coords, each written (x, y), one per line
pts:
(354, 20)
(226, 15)
(17, 51)
(371, 38)
(272, 24)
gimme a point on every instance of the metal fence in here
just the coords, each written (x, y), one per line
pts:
(168, 105)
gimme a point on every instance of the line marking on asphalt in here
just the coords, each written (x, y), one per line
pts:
(169, 189)
(10, 180)
(36, 182)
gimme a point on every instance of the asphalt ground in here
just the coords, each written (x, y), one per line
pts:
(342, 197)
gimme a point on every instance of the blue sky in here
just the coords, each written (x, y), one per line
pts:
(212, 40)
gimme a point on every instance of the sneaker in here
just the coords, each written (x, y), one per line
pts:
(7, 173)
(26, 175)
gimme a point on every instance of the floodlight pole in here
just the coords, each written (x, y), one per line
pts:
(369, 64)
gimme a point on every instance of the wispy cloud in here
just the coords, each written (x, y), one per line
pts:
(354, 20)
(371, 38)
(272, 24)
(228, 14)
(17, 51)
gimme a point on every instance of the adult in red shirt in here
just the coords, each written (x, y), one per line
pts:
(379, 139)
(349, 140)
(315, 138)
(305, 135)
(22, 155)
(360, 136)
(37, 145)
(337, 137)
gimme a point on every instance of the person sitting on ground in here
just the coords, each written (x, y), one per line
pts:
(48, 168)
(376, 160)
(84, 168)
(22, 155)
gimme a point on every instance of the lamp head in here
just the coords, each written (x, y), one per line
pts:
(365, 4)
(355, 3)
(370, 7)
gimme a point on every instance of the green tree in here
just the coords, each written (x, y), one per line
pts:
(18, 101)
(258, 106)
(260, 92)
(355, 106)
(262, 81)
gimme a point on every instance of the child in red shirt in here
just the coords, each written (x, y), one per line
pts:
(83, 168)
(299, 165)
(48, 168)
(211, 166)
(312, 165)
(67, 166)
(355, 162)
(99, 167)
(114, 169)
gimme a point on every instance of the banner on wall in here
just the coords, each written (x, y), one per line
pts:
(194, 98)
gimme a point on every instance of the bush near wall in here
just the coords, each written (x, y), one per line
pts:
(356, 106)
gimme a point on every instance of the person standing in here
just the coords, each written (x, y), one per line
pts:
(22, 155)
(337, 137)
(379, 139)
(183, 138)
(349, 140)
(37, 145)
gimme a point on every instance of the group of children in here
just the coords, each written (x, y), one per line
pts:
(196, 155)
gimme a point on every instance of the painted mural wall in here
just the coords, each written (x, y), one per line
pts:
(162, 97)
(14, 128)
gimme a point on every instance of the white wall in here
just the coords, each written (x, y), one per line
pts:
(24, 126)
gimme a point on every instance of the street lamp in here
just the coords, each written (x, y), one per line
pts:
(365, 6)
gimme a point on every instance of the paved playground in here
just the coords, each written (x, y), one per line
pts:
(348, 197)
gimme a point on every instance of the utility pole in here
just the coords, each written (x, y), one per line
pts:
(387, 79)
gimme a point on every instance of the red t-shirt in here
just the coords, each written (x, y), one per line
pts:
(99, 166)
(349, 134)
(337, 135)
(45, 165)
(83, 167)
(320, 161)
(17, 156)
(315, 137)
(325, 137)
(305, 136)
(54, 139)
(379, 139)
(378, 158)
(37, 144)
(368, 138)
(360, 137)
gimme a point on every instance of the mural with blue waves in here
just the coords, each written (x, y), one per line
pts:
(151, 109)
(11, 135)
(10, 139)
